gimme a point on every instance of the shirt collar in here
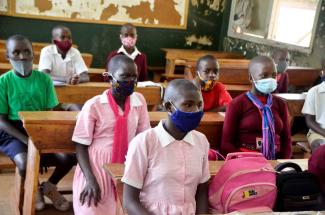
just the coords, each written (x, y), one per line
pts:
(134, 100)
(165, 138)
(134, 54)
(321, 88)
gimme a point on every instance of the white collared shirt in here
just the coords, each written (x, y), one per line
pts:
(134, 54)
(51, 59)
(315, 103)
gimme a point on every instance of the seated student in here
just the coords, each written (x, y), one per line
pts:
(314, 111)
(256, 120)
(321, 76)
(105, 126)
(63, 62)
(166, 168)
(215, 95)
(128, 36)
(281, 60)
(24, 89)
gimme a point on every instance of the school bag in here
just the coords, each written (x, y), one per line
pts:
(246, 182)
(297, 190)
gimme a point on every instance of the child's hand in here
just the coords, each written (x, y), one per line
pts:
(74, 79)
(92, 192)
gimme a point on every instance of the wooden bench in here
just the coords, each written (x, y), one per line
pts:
(51, 132)
(116, 172)
(88, 58)
(179, 56)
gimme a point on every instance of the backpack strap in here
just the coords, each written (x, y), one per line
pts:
(285, 165)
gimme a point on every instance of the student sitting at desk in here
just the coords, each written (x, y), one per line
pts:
(215, 95)
(63, 62)
(166, 168)
(314, 111)
(128, 36)
(24, 89)
(256, 120)
(281, 60)
(105, 126)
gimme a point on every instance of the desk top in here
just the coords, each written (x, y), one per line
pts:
(291, 96)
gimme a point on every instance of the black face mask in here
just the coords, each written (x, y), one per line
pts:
(123, 88)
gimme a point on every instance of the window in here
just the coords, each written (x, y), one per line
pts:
(285, 23)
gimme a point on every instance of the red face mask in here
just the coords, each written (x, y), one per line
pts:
(64, 45)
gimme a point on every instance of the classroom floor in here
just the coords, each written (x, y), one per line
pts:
(7, 183)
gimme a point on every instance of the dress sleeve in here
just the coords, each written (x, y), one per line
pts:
(286, 145)
(205, 166)
(45, 61)
(143, 71)
(144, 121)
(309, 105)
(79, 63)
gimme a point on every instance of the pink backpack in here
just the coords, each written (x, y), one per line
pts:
(246, 182)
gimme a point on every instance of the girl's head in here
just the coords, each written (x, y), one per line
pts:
(128, 35)
(122, 75)
(20, 54)
(62, 38)
(183, 101)
(262, 74)
(208, 72)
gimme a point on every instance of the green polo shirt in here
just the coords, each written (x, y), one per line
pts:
(34, 93)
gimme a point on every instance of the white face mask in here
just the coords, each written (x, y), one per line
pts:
(266, 85)
(22, 67)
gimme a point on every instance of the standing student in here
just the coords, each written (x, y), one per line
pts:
(128, 36)
(25, 89)
(314, 111)
(105, 126)
(63, 62)
(281, 60)
(215, 96)
(257, 120)
(166, 168)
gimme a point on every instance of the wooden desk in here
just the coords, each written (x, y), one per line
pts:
(51, 132)
(96, 74)
(116, 172)
(295, 102)
(37, 46)
(80, 93)
(177, 56)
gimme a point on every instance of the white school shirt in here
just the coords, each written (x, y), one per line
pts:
(51, 59)
(315, 103)
(134, 54)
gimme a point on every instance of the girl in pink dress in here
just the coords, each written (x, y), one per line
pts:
(105, 126)
(166, 168)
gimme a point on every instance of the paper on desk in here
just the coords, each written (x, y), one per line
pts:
(148, 84)
(59, 83)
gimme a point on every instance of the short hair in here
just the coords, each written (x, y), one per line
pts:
(117, 62)
(60, 27)
(258, 60)
(275, 52)
(174, 88)
(18, 37)
(203, 59)
(128, 26)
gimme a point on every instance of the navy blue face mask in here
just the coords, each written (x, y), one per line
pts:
(186, 121)
(124, 88)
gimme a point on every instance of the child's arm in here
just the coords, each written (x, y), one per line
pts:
(313, 125)
(58, 78)
(131, 201)
(7, 127)
(92, 190)
(201, 197)
(83, 77)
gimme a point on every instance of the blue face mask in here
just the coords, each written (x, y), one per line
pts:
(124, 88)
(266, 86)
(186, 121)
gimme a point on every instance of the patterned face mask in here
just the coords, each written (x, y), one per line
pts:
(129, 41)
(207, 85)
(124, 88)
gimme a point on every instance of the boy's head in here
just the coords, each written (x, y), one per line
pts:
(208, 72)
(281, 59)
(62, 38)
(123, 73)
(128, 35)
(262, 74)
(19, 52)
(183, 101)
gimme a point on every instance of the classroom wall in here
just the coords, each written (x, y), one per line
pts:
(203, 31)
(250, 49)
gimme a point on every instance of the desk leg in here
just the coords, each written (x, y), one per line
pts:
(170, 67)
(31, 181)
(119, 202)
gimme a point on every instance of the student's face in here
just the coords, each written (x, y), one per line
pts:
(263, 71)
(209, 70)
(124, 80)
(126, 73)
(19, 51)
(128, 32)
(280, 57)
(62, 34)
(189, 101)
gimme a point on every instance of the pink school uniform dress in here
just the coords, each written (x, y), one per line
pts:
(167, 171)
(95, 127)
